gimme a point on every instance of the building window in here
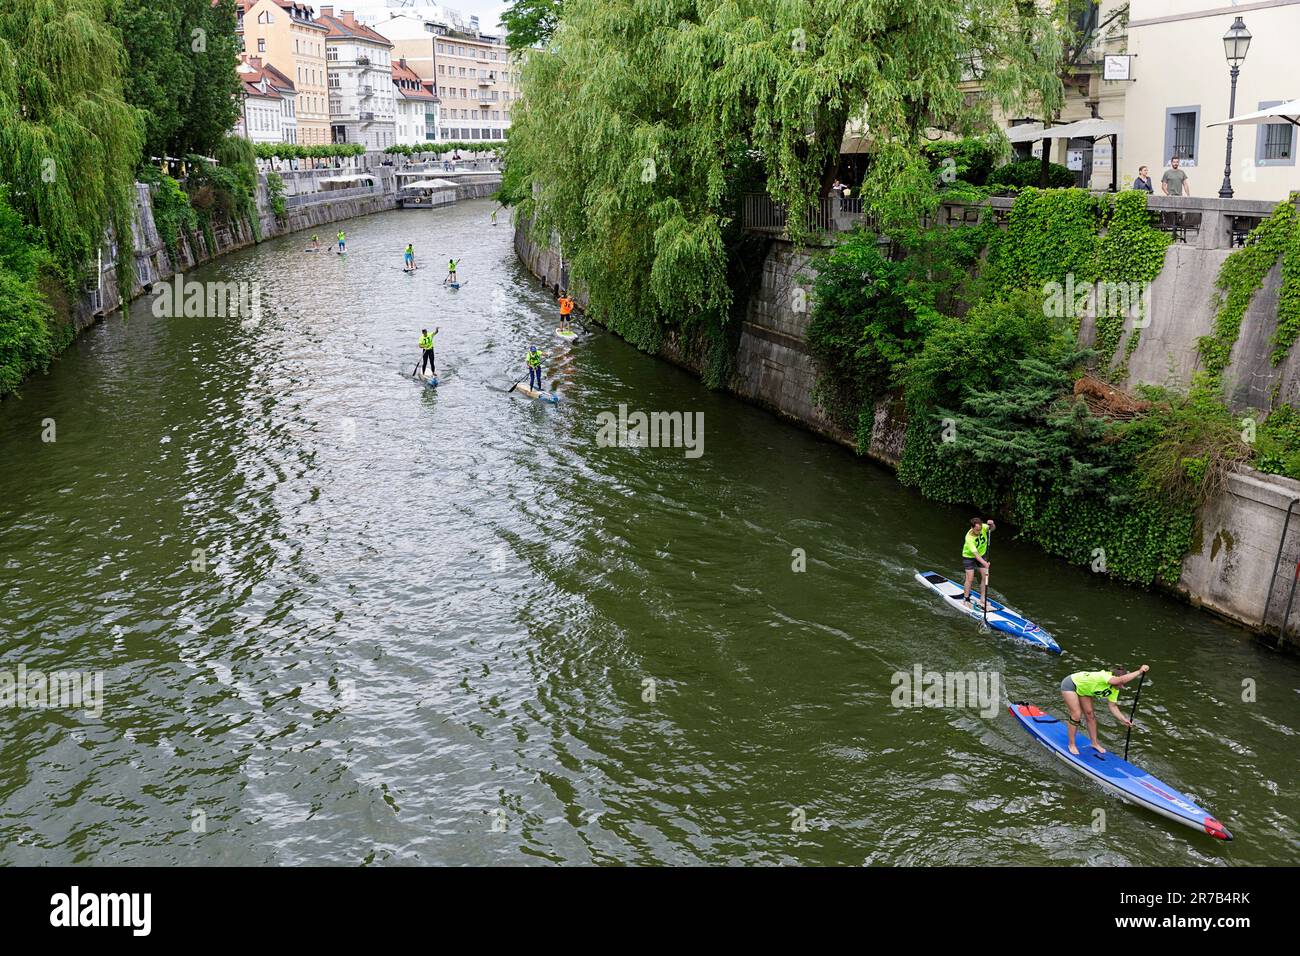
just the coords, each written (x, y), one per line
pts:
(1278, 140)
(261, 45)
(1182, 134)
(1275, 143)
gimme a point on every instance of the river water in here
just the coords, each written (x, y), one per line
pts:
(343, 619)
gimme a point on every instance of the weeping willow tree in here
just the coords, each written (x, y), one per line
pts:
(69, 143)
(644, 122)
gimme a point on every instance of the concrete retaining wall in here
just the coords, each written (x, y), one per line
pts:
(153, 262)
(1240, 531)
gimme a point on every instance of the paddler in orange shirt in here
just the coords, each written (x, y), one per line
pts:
(566, 310)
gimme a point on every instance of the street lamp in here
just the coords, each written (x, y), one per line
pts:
(1235, 44)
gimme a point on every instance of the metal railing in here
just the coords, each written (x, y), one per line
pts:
(761, 214)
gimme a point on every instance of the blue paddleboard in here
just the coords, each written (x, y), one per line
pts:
(1116, 774)
(431, 381)
(1000, 617)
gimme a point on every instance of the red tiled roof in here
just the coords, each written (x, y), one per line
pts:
(345, 26)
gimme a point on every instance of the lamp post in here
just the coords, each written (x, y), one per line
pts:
(1235, 44)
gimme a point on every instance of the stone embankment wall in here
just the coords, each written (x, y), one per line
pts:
(1242, 531)
(154, 264)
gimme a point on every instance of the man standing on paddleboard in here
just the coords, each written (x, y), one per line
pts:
(1079, 690)
(426, 346)
(451, 273)
(409, 258)
(343, 242)
(534, 361)
(972, 556)
(566, 310)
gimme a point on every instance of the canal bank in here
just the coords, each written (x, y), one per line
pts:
(310, 203)
(344, 619)
(1247, 547)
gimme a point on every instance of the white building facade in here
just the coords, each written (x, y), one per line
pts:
(363, 101)
(417, 107)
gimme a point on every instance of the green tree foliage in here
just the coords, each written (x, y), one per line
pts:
(322, 151)
(27, 334)
(69, 142)
(1241, 276)
(970, 159)
(530, 23)
(1024, 173)
(639, 167)
(182, 56)
(862, 330)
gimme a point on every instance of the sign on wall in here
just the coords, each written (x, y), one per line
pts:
(1117, 66)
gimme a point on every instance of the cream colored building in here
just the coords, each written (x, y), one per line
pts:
(286, 35)
(476, 78)
(1180, 85)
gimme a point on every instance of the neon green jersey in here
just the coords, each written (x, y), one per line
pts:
(1095, 684)
(976, 544)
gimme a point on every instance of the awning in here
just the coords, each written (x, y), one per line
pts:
(1083, 129)
(1027, 133)
(1282, 113)
(346, 179)
(430, 184)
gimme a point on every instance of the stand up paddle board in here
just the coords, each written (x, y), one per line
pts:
(1116, 774)
(1000, 617)
(427, 378)
(549, 397)
(566, 334)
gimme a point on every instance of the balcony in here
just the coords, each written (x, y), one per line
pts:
(366, 117)
(366, 91)
(363, 60)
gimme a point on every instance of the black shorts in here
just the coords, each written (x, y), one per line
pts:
(970, 564)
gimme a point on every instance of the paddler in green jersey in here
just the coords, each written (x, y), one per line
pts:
(534, 360)
(972, 555)
(343, 242)
(451, 272)
(315, 242)
(1079, 691)
(426, 346)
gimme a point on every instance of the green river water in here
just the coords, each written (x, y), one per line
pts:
(446, 627)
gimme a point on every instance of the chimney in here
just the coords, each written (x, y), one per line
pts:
(327, 11)
(255, 62)
(348, 17)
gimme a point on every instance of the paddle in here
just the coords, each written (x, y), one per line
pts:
(985, 596)
(1136, 697)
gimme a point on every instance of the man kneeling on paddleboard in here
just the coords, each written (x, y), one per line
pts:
(1080, 689)
(972, 556)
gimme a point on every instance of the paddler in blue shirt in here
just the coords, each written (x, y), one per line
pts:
(972, 556)
(1081, 688)
(534, 361)
(409, 258)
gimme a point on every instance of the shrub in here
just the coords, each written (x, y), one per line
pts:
(1025, 172)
